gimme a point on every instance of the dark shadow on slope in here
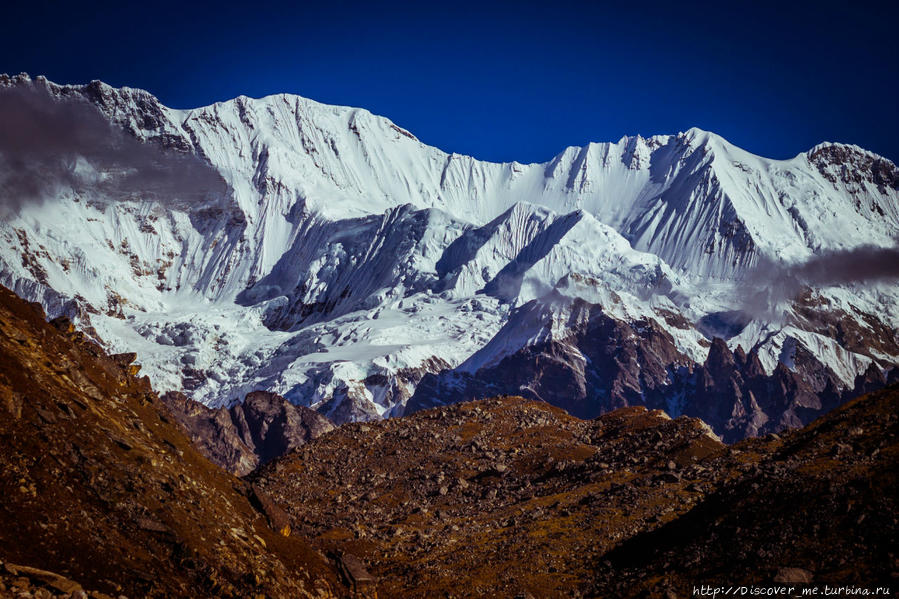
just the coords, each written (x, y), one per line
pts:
(465, 247)
(725, 324)
(363, 256)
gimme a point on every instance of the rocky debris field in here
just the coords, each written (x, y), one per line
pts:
(514, 498)
(818, 506)
(496, 497)
(102, 489)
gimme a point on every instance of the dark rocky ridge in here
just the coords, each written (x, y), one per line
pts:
(240, 438)
(638, 363)
(101, 488)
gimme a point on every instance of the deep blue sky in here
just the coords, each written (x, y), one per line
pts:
(498, 80)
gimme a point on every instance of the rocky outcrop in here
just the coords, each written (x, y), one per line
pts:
(733, 393)
(240, 438)
(850, 165)
(26, 582)
(103, 491)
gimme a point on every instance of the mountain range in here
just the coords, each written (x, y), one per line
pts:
(325, 254)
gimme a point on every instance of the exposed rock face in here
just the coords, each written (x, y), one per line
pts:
(248, 434)
(732, 392)
(853, 165)
(102, 491)
(213, 433)
(509, 497)
(602, 363)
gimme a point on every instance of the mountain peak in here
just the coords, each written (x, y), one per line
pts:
(854, 166)
(835, 149)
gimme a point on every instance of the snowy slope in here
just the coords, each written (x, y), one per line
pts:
(345, 259)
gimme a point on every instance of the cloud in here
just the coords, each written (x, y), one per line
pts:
(771, 283)
(49, 142)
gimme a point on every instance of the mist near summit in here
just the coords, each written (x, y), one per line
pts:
(51, 143)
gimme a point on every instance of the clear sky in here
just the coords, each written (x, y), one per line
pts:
(501, 80)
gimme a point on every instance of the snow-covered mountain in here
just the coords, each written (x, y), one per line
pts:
(342, 260)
